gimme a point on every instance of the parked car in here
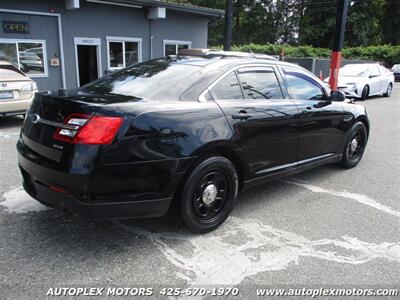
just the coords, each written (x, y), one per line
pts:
(360, 81)
(16, 90)
(396, 72)
(194, 128)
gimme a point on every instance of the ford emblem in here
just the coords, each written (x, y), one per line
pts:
(35, 118)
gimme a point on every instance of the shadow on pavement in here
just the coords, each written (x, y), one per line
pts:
(11, 122)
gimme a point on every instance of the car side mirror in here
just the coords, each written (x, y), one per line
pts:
(337, 96)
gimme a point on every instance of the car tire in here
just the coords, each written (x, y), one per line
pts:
(355, 146)
(209, 194)
(389, 90)
(364, 93)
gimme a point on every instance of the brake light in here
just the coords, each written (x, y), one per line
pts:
(84, 129)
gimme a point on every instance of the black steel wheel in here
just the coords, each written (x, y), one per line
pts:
(354, 146)
(208, 194)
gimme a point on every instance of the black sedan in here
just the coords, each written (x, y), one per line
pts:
(192, 129)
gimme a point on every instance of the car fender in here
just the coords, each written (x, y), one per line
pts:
(355, 113)
(183, 130)
(361, 83)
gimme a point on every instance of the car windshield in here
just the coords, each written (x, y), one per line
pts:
(158, 79)
(396, 68)
(354, 71)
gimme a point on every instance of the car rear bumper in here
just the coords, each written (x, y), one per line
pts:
(14, 107)
(109, 210)
(38, 181)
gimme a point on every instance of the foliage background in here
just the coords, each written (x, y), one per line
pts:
(267, 26)
(385, 53)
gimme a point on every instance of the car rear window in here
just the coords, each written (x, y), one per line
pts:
(9, 72)
(160, 79)
(227, 88)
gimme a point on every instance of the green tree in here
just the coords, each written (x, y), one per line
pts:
(305, 22)
(391, 22)
(363, 26)
(316, 26)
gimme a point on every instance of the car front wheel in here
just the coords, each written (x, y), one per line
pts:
(354, 146)
(364, 93)
(208, 194)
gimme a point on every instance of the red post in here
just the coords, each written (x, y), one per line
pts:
(336, 59)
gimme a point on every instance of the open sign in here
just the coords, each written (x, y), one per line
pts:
(15, 27)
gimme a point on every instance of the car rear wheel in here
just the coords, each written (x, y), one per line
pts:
(208, 194)
(365, 93)
(354, 146)
(389, 90)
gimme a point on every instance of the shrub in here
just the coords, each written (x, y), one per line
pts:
(385, 53)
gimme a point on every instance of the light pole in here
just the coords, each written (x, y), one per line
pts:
(336, 58)
(228, 25)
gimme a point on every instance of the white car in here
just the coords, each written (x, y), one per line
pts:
(360, 81)
(16, 90)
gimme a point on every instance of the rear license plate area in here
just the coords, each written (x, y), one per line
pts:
(5, 95)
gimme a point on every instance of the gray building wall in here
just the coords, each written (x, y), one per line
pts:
(41, 28)
(94, 20)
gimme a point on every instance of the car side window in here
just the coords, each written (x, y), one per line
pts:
(375, 71)
(302, 86)
(227, 88)
(259, 83)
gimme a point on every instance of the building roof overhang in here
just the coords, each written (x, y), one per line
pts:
(180, 7)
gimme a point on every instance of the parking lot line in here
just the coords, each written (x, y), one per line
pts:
(360, 198)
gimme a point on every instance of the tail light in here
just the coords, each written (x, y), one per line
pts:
(84, 129)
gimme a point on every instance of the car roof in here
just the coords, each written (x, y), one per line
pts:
(226, 59)
(220, 53)
(362, 65)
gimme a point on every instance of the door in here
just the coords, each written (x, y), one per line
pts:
(87, 64)
(375, 80)
(386, 76)
(263, 121)
(319, 121)
(88, 59)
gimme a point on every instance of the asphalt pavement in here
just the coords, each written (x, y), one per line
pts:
(325, 227)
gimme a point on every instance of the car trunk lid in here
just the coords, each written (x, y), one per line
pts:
(48, 114)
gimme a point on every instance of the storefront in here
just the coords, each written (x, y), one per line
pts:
(69, 43)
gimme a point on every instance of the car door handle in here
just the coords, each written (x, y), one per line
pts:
(242, 115)
(307, 112)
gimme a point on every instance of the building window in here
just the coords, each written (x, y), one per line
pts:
(171, 47)
(123, 52)
(27, 55)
